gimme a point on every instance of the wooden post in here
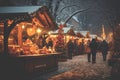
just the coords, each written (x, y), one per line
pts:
(20, 35)
(5, 39)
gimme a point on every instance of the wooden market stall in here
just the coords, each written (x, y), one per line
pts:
(21, 33)
(70, 35)
(78, 34)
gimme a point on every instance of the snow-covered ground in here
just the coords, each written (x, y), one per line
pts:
(79, 69)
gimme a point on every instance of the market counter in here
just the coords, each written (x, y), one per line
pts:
(36, 63)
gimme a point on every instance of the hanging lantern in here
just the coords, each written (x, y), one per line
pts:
(31, 31)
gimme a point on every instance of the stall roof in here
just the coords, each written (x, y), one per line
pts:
(16, 12)
(20, 9)
(78, 34)
(65, 30)
(43, 18)
(71, 32)
(84, 32)
(93, 35)
(40, 14)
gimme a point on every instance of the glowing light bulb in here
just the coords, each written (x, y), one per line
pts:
(38, 30)
(23, 26)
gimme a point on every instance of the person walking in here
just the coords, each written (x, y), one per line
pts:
(81, 47)
(50, 43)
(75, 47)
(104, 49)
(70, 48)
(93, 46)
(88, 51)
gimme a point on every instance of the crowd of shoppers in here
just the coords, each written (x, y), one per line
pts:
(91, 47)
(95, 46)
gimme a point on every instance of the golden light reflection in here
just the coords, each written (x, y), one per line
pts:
(49, 33)
(30, 31)
(23, 26)
(39, 30)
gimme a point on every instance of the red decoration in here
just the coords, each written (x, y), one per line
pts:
(60, 37)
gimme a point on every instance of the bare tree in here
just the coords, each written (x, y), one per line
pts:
(56, 7)
(74, 14)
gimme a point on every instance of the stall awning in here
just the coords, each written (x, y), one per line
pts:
(14, 16)
(71, 32)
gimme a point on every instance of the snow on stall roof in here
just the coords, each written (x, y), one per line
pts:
(76, 32)
(93, 35)
(75, 18)
(19, 9)
(65, 29)
(62, 22)
(83, 32)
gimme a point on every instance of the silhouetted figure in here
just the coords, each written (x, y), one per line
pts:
(70, 48)
(104, 49)
(50, 43)
(44, 37)
(88, 51)
(39, 42)
(93, 47)
(75, 47)
(81, 47)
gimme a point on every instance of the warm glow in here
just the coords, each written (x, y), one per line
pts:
(53, 36)
(10, 22)
(30, 29)
(103, 33)
(119, 24)
(50, 49)
(67, 38)
(23, 26)
(111, 34)
(38, 30)
(49, 33)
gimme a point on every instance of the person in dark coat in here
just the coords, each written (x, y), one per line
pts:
(104, 49)
(93, 46)
(70, 48)
(81, 47)
(50, 43)
(75, 47)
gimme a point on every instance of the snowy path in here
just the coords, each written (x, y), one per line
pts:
(79, 69)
